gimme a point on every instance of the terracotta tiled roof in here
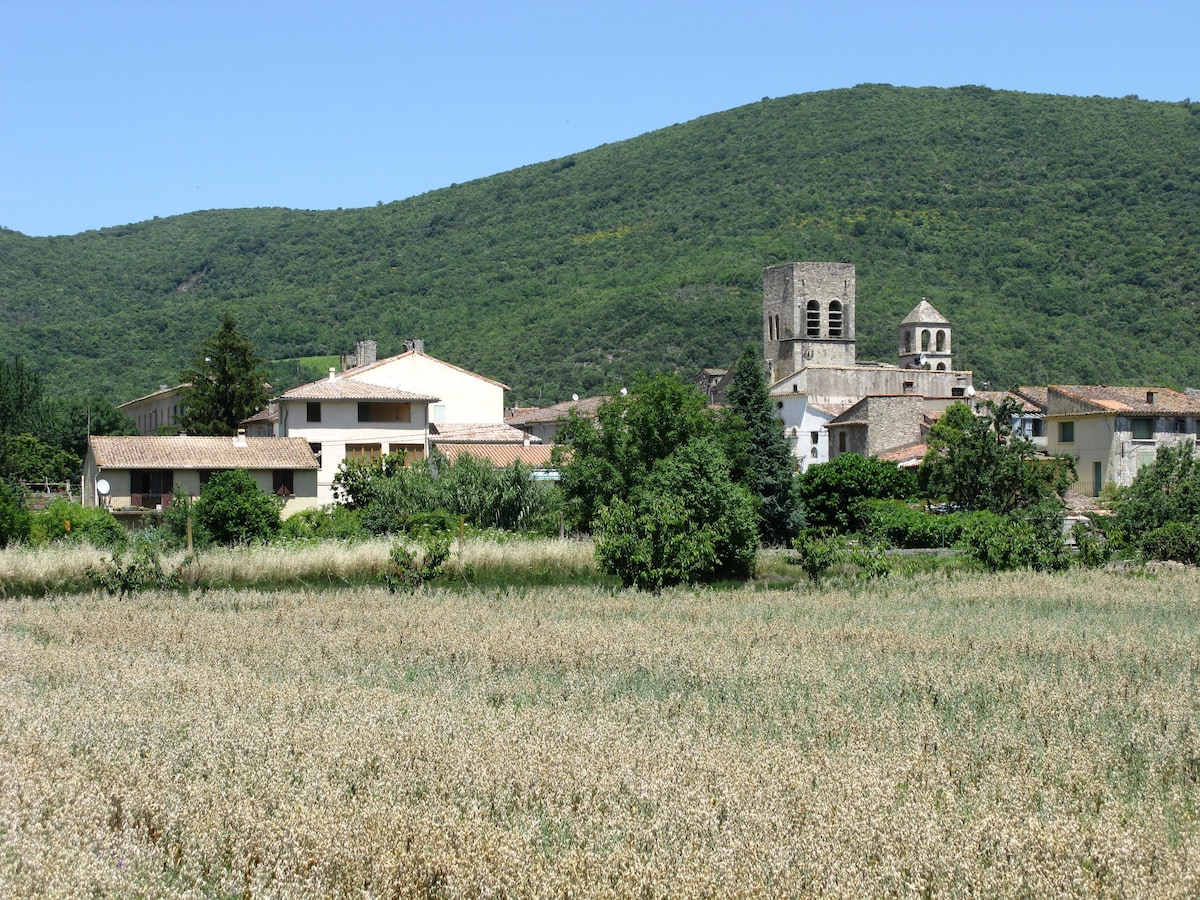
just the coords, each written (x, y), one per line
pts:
(159, 393)
(997, 397)
(351, 389)
(906, 457)
(533, 414)
(1033, 393)
(194, 452)
(536, 455)
(1142, 401)
(269, 414)
(477, 433)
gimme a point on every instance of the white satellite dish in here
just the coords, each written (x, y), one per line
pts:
(575, 397)
(103, 487)
(923, 360)
(624, 391)
(970, 390)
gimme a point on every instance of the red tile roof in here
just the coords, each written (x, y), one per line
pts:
(195, 452)
(1142, 401)
(535, 455)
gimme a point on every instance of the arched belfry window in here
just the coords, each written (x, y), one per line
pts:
(813, 319)
(941, 367)
(924, 340)
(941, 341)
(908, 341)
(835, 319)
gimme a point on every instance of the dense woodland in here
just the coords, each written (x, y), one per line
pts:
(1060, 235)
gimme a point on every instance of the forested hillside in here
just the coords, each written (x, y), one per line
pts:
(1059, 234)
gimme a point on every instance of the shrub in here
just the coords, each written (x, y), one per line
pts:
(1091, 549)
(64, 520)
(829, 491)
(14, 517)
(1177, 541)
(335, 522)
(1000, 543)
(407, 572)
(689, 522)
(233, 510)
(899, 525)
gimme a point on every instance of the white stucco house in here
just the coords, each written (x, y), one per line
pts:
(402, 404)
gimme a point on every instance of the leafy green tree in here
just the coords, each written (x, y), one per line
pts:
(226, 383)
(232, 509)
(607, 457)
(978, 462)
(768, 466)
(1165, 492)
(28, 459)
(686, 522)
(830, 491)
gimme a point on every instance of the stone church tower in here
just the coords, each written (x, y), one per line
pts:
(808, 316)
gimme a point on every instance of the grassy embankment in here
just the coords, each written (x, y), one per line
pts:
(1017, 735)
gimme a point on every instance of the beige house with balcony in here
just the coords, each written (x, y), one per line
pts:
(135, 475)
(1112, 432)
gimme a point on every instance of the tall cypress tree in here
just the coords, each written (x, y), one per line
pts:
(227, 383)
(767, 466)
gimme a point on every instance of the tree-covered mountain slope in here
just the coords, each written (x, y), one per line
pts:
(1059, 235)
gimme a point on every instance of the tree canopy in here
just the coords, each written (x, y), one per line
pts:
(226, 383)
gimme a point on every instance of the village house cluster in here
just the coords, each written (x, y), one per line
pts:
(828, 401)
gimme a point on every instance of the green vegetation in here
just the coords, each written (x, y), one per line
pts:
(649, 476)
(233, 510)
(226, 383)
(1061, 235)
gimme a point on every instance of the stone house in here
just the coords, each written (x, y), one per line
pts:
(1111, 432)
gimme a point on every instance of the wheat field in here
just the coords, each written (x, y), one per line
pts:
(972, 736)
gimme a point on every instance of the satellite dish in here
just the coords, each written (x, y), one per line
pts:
(923, 360)
(624, 391)
(575, 397)
(103, 487)
(970, 390)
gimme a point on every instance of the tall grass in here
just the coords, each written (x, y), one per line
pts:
(999, 736)
(63, 568)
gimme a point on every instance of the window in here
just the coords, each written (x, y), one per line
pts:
(364, 452)
(1143, 429)
(958, 392)
(908, 341)
(841, 442)
(411, 454)
(314, 412)
(1066, 432)
(941, 367)
(283, 482)
(924, 340)
(813, 319)
(385, 412)
(1181, 426)
(316, 449)
(941, 342)
(813, 453)
(909, 386)
(815, 436)
(150, 488)
(835, 319)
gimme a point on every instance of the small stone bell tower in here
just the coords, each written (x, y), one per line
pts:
(925, 339)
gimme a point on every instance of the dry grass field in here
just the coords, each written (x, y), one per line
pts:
(971, 736)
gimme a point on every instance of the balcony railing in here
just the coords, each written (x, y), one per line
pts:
(150, 501)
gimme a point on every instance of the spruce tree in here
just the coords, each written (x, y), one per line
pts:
(766, 464)
(227, 383)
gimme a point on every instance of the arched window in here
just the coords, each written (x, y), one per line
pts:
(813, 328)
(941, 367)
(778, 333)
(908, 341)
(924, 340)
(835, 319)
(770, 328)
(941, 341)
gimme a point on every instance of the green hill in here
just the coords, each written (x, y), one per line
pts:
(1059, 234)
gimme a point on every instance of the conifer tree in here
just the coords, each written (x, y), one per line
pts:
(766, 464)
(227, 383)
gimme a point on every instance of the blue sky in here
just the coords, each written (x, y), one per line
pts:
(116, 112)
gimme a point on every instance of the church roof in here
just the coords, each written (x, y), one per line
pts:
(924, 314)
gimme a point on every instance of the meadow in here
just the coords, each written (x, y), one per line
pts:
(940, 735)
